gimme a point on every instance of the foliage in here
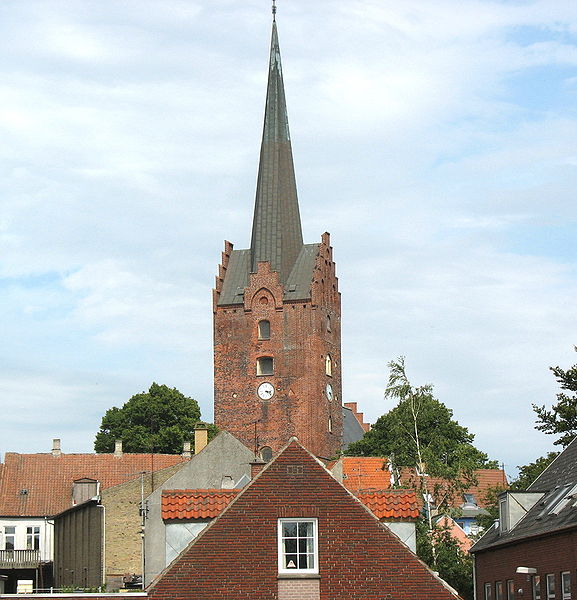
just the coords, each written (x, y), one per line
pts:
(528, 473)
(490, 501)
(562, 418)
(159, 420)
(420, 431)
(443, 553)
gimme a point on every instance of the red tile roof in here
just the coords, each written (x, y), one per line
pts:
(392, 504)
(365, 473)
(195, 504)
(48, 479)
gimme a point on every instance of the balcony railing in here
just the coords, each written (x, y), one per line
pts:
(19, 559)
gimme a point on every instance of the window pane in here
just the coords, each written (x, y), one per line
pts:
(289, 529)
(303, 561)
(499, 590)
(264, 330)
(550, 585)
(305, 529)
(290, 561)
(566, 585)
(264, 366)
(510, 589)
(290, 546)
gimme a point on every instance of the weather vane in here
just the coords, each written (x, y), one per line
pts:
(274, 10)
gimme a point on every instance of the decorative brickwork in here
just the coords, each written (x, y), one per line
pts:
(236, 556)
(299, 589)
(302, 335)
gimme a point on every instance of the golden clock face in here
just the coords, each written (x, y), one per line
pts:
(265, 391)
(329, 391)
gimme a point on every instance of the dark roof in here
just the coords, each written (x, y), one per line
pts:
(47, 479)
(352, 429)
(276, 229)
(553, 512)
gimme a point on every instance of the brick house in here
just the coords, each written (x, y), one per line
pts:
(531, 552)
(34, 488)
(295, 532)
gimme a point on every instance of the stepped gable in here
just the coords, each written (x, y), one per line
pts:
(236, 556)
(40, 484)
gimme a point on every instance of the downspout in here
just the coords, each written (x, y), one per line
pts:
(474, 577)
(103, 567)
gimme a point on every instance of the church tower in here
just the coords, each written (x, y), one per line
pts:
(277, 311)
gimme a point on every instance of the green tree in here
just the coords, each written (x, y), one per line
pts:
(159, 420)
(420, 432)
(562, 418)
(528, 473)
(443, 553)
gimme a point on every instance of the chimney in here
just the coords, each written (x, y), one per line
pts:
(118, 448)
(200, 437)
(256, 466)
(56, 451)
(186, 450)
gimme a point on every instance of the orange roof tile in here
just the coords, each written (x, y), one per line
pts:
(365, 473)
(195, 504)
(391, 504)
(48, 479)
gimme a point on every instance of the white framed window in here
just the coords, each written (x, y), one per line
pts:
(488, 591)
(32, 538)
(265, 365)
(9, 538)
(566, 585)
(536, 587)
(510, 589)
(550, 585)
(264, 330)
(298, 546)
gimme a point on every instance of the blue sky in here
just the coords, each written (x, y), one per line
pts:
(437, 146)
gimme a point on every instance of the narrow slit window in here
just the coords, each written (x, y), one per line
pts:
(329, 323)
(264, 330)
(265, 365)
(329, 365)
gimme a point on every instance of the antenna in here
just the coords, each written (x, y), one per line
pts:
(274, 10)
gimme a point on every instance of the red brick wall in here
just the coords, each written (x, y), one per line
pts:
(236, 556)
(299, 344)
(551, 554)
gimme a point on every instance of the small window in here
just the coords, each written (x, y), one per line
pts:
(550, 584)
(498, 590)
(510, 589)
(503, 520)
(9, 538)
(32, 538)
(266, 453)
(566, 585)
(329, 323)
(297, 546)
(264, 330)
(330, 424)
(536, 587)
(488, 591)
(264, 366)
(469, 499)
(329, 365)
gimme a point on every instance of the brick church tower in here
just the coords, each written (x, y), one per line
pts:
(277, 312)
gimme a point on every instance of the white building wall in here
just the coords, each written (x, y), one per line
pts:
(21, 524)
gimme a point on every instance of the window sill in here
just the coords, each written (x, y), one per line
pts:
(298, 576)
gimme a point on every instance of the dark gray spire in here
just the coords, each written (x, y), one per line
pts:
(276, 228)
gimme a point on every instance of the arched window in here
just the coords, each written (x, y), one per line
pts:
(329, 365)
(266, 453)
(264, 330)
(264, 365)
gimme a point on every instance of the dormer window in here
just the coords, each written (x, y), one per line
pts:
(265, 365)
(264, 330)
(503, 514)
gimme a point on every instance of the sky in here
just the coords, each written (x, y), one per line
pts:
(436, 145)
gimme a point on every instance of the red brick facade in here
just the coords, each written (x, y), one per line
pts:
(302, 335)
(549, 554)
(237, 555)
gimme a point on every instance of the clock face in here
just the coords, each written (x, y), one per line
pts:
(265, 391)
(329, 391)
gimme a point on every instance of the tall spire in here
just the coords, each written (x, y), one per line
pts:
(276, 228)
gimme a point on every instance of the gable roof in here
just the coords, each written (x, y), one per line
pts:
(554, 511)
(365, 473)
(195, 504)
(236, 554)
(396, 505)
(48, 479)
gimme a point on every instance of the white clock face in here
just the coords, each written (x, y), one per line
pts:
(329, 391)
(265, 391)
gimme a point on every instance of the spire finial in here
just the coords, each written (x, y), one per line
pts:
(274, 10)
